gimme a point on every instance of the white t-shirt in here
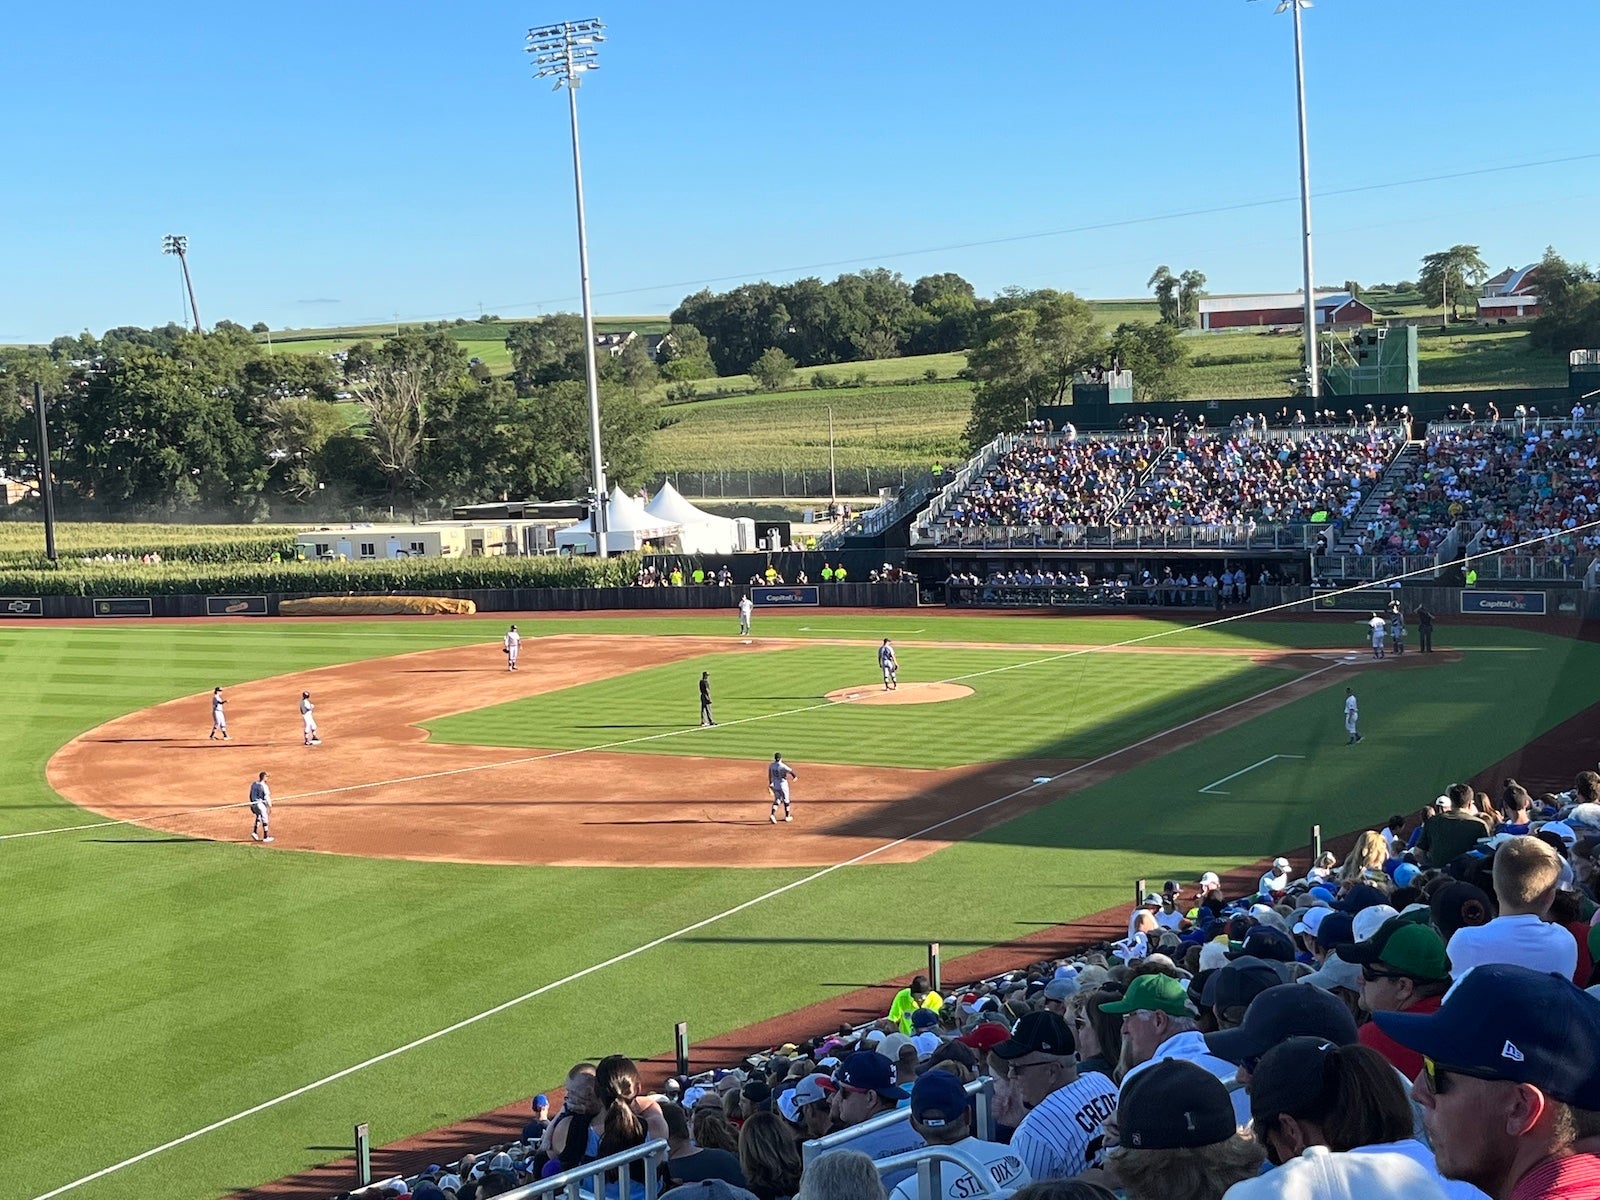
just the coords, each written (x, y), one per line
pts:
(1524, 941)
(1169, 920)
(1061, 1136)
(1423, 1157)
(1005, 1168)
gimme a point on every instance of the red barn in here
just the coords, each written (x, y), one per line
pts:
(1335, 310)
(1511, 294)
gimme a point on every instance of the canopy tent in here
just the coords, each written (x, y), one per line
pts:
(700, 532)
(628, 527)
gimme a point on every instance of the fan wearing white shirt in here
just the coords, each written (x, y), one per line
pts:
(1526, 873)
(940, 1114)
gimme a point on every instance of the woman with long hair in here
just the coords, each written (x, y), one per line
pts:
(769, 1157)
(711, 1129)
(1365, 861)
(1097, 1032)
(627, 1117)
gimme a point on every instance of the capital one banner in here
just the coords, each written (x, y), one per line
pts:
(1526, 603)
(799, 596)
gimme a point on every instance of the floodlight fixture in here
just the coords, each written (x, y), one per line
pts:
(178, 244)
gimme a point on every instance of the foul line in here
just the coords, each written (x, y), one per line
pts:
(1207, 790)
(647, 946)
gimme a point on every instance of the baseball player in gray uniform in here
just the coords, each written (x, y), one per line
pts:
(219, 719)
(889, 666)
(261, 809)
(778, 775)
(512, 645)
(308, 722)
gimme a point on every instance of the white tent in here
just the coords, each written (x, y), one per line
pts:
(701, 532)
(628, 527)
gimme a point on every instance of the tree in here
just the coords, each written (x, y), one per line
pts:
(407, 371)
(683, 355)
(773, 370)
(1190, 285)
(1033, 345)
(1158, 356)
(1165, 284)
(635, 367)
(948, 314)
(546, 350)
(1569, 296)
(297, 431)
(557, 422)
(1448, 275)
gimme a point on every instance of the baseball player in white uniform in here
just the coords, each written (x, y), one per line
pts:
(778, 775)
(261, 809)
(1351, 716)
(308, 720)
(745, 608)
(889, 666)
(511, 645)
(1377, 626)
(219, 719)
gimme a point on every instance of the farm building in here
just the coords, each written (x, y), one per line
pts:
(1511, 294)
(1335, 310)
(435, 539)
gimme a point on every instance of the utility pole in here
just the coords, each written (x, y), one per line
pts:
(175, 243)
(563, 52)
(46, 492)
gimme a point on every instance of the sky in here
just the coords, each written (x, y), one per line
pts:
(337, 162)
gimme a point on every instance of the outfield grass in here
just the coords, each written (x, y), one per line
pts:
(205, 978)
(1080, 706)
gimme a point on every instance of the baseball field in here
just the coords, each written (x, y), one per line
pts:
(483, 876)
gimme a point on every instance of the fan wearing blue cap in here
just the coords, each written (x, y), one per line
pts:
(940, 1114)
(1510, 1083)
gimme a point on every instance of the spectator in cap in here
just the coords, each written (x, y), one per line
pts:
(1098, 1034)
(1309, 1092)
(1449, 833)
(1159, 1024)
(840, 1175)
(1058, 994)
(812, 1101)
(866, 1088)
(769, 1157)
(1459, 905)
(1509, 1086)
(754, 1097)
(1275, 881)
(1170, 915)
(1142, 919)
(1358, 897)
(1525, 875)
(689, 1163)
(939, 1112)
(908, 999)
(533, 1131)
(925, 1023)
(1404, 968)
(1064, 1110)
(1177, 1136)
(1263, 942)
(1230, 989)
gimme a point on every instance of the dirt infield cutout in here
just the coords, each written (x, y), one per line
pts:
(906, 693)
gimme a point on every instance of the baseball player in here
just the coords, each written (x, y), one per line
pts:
(745, 608)
(889, 666)
(308, 720)
(512, 644)
(261, 809)
(778, 775)
(1351, 715)
(705, 699)
(1397, 630)
(1377, 626)
(219, 719)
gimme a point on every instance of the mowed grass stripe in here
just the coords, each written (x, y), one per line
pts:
(1021, 707)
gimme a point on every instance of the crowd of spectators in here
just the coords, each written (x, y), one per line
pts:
(1040, 584)
(1055, 481)
(1411, 1021)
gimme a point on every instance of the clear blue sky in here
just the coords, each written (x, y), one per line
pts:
(342, 161)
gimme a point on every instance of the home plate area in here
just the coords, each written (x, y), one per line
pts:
(906, 693)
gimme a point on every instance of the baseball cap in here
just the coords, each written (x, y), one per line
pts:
(956, 1052)
(756, 1092)
(1444, 803)
(938, 1099)
(1406, 874)
(1290, 1078)
(1335, 929)
(1209, 879)
(1508, 1022)
(1311, 920)
(924, 1018)
(1038, 1033)
(1172, 1104)
(541, 1101)
(985, 1037)
(1567, 834)
(1151, 900)
(1061, 989)
(1265, 942)
(1369, 920)
(1324, 894)
(1335, 972)
(1285, 1011)
(869, 1071)
(1238, 983)
(1153, 993)
(1362, 895)
(892, 1045)
(813, 1089)
(1412, 949)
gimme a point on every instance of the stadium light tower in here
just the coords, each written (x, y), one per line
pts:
(175, 243)
(1313, 373)
(564, 52)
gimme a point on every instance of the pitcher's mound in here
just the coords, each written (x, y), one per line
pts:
(906, 693)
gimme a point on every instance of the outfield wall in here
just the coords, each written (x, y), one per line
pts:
(111, 608)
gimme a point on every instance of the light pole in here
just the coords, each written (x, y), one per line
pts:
(563, 52)
(175, 243)
(1313, 380)
(41, 410)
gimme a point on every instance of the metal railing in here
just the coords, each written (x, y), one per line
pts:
(929, 1163)
(591, 1180)
(1094, 595)
(981, 1090)
(1242, 536)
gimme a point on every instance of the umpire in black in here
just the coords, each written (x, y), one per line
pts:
(705, 699)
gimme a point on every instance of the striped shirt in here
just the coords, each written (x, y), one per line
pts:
(1061, 1136)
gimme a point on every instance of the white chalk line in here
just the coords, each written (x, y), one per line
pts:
(1208, 789)
(544, 989)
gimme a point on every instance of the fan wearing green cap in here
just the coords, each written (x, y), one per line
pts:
(1159, 1023)
(1404, 968)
